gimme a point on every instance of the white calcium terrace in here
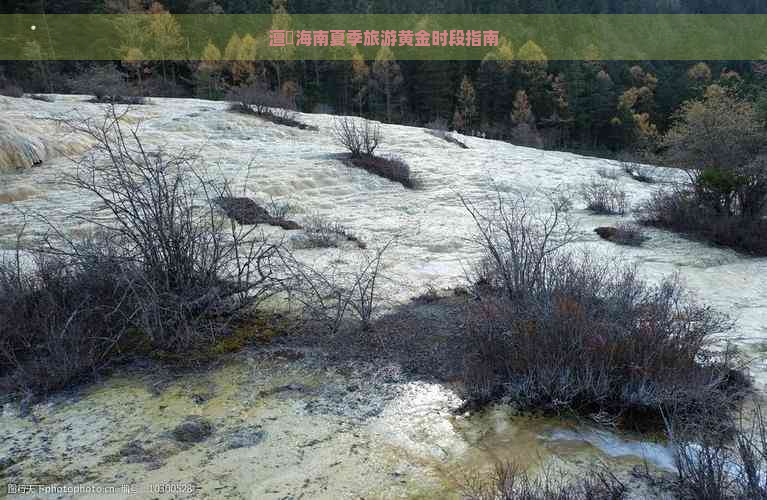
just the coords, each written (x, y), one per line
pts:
(431, 228)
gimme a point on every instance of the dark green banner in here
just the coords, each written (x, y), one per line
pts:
(405, 37)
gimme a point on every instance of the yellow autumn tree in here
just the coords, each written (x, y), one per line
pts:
(244, 69)
(209, 71)
(135, 60)
(166, 41)
(466, 111)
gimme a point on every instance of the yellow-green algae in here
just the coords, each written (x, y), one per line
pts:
(361, 430)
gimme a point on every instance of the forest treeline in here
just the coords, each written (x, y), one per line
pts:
(585, 105)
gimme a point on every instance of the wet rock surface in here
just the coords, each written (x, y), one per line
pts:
(193, 430)
(273, 427)
(247, 212)
(607, 233)
(245, 438)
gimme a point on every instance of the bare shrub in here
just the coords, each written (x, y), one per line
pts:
(605, 197)
(430, 296)
(360, 137)
(511, 482)
(608, 173)
(62, 320)
(259, 99)
(194, 271)
(721, 466)
(10, 89)
(679, 209)
(279, 209)
(520, 242)
(638, 172)
(256, 98)
(560, 331)
(106, 84)
(320, 232)
(437, 125)
(329, 295)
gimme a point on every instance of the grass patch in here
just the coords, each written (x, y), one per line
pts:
(393, 168)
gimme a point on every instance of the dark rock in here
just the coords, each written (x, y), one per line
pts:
(193, 430)
(133, 448)
(7, 462)
(245, 211)
(607, 233)
(287, 225)
(246, 438)
(133, 452)
(624, 234)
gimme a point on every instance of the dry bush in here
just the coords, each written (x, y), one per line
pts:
(521, 242)
(257, 98)
(106, 84)
(718, 141)
(511, 482)
(437, 125)
(323, 233)
(279, 210)
(562, 332)
(605, 197)
(271, 105)
(61, 320)
(10, 89)
(360, 137)
(193, 271)
(680, 210)
(608, 173)
(638, 172)
(629, 234)
(393, 168)
(729, 466)
(329, 295)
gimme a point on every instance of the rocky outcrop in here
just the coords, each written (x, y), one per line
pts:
(193, 430)
(19, 150)
(607, 233)
(245, 211)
